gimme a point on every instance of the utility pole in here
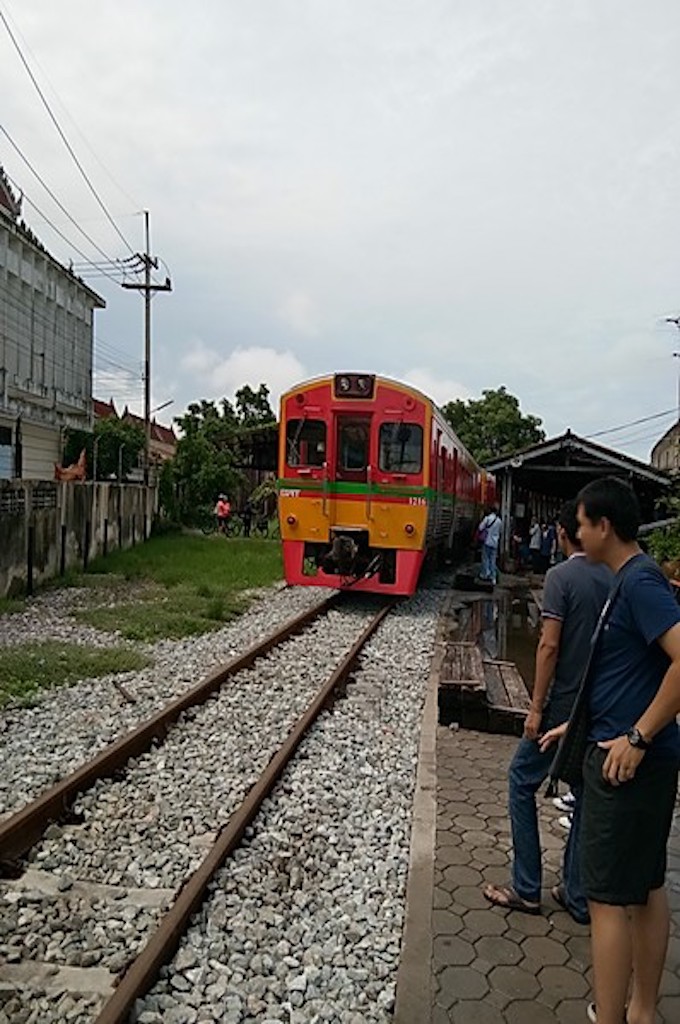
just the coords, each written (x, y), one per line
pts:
(150, 262)
(676, 355)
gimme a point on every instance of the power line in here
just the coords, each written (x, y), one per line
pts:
(36, 63)
(631, 423)
(44, 216)
(62, 135)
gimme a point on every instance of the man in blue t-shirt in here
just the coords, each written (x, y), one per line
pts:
(630, 770)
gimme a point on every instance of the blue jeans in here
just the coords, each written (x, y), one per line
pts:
(529, 769)
(489, 554)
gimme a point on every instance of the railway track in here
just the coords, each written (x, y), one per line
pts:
(56, 871)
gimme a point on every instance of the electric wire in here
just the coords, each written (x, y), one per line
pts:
(44, 216)
(631, 423)
(61, 133)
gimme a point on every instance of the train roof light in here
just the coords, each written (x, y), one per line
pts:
(354, 385)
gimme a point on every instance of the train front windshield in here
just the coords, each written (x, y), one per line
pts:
(353, 448)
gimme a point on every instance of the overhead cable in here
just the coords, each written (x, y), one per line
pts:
(63, 136)
(631, 423)
(44, 216)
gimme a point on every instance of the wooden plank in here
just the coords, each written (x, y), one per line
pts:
(462, 667)
(512, 690)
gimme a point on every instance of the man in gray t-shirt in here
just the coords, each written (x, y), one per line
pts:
(573, 595)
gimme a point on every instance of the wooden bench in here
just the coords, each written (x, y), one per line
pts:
(507, 697)
(462, 667)
(481, 694)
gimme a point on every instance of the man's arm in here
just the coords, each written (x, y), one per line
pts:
(623, 759)
(546, 660)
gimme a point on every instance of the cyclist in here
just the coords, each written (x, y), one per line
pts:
(222, 511)
(247, 517)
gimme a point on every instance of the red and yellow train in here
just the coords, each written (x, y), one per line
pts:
(371, 478)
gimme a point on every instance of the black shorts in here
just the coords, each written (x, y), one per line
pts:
(624, 829)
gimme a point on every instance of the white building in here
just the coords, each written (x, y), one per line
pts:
(46, 340)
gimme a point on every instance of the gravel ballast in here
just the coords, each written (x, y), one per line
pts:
(303, 925)
(40, 745)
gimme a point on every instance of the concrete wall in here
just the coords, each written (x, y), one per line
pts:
(46, 527)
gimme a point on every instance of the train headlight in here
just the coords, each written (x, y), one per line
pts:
(409, 529)
(291, 520)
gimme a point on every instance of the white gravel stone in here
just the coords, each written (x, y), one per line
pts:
(68, 725)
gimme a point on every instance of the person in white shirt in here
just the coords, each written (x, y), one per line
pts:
(489, 531)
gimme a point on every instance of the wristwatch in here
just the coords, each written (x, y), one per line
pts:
(636, 739)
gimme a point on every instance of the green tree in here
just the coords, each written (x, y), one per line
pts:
(253, 407)
(204, 463)
(118, 447)
(493, 425)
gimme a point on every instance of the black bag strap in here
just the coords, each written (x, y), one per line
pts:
(581, 701)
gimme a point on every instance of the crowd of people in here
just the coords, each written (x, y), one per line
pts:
(607, 668)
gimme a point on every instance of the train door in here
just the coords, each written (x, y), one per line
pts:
(351, 465)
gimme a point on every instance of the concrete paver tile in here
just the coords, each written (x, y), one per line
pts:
(460, 983)
(669, 1009)
(486, 922)
(475, 1013)
(571, 1011)
(578, 948)
(670, 984)
(460, 876)
(451, 949)
(545, 950)
(446, 923)
(472, 838)
(514, 982)
(564, 982)
(529, 924)
(490, 855)
(498, 950)
(454, 854)
(441, 898)
(522, 1012)
(470, 896)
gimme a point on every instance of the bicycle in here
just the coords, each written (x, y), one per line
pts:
(233, 527)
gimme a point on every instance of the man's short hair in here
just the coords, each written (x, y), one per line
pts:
(615, 500)
(568, 520)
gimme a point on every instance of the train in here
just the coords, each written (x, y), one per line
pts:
(371, 479)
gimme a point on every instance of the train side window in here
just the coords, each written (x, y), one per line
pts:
(401, 448)
(305, 442)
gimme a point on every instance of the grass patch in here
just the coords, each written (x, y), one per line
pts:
(177, 613)
(190, 584)
(11, 605)
(27, 669)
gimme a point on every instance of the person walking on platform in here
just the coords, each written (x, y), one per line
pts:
(489, 531)
(573, 596)
(630, 766)
(535, 545)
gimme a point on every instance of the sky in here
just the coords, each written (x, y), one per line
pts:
(460, 194)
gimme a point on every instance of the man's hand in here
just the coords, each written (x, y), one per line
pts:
(621, 762)
(532, 724)
(552, 736)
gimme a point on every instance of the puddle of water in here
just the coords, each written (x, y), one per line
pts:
(506, 627)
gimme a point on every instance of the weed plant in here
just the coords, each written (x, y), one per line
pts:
(191, 584)
(25, 669)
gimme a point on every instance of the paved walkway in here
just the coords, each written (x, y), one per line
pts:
(497, 967)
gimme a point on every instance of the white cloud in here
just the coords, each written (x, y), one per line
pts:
(209, 376)
(440, 389)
